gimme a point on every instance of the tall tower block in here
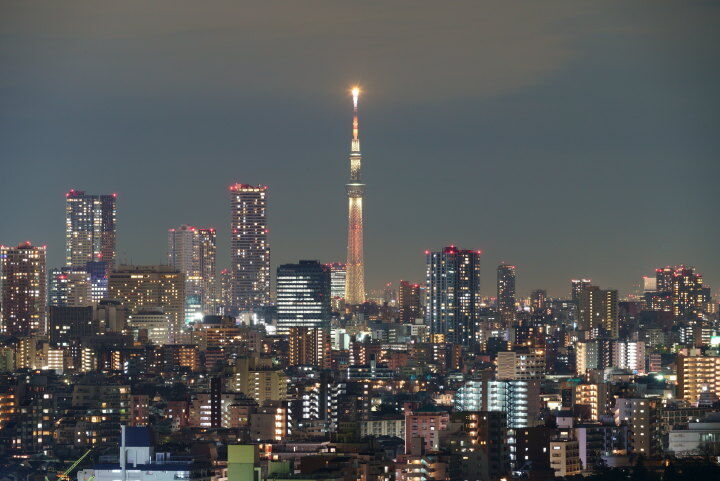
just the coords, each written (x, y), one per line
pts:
(355, 283)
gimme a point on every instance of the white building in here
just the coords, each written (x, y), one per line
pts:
(629, 355)
(691, 440)
(139, 462)
(155, 322)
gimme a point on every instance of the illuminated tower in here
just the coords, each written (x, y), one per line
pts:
(355, 284)
(250, 250)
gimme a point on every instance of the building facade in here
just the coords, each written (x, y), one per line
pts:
(90, 232)
(506, 292)
(453, 293)
(23, 281)
(250, 249)
(409, 305)
(303, 295)
(138, 287)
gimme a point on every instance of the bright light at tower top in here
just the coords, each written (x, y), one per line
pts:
(355, 94)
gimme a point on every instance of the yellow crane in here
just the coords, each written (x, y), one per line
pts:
(66, 475)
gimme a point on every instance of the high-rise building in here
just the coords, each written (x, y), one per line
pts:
(598, 310)
(89, 228)
(309, 346)
(69, 287)
(577, 286)
(643, 420)
(23, 281)
(506, 292)
(303, 295)
(697, 374)
(224, 298)
(587, 356)
(192, 252)
(409, 302)
(338, 278)
(629, 355)
(355, 286)
(154, 323)
(68, 323)
(208, 261)
(257, 378)
(525, 366)
(538, 299)
(250, 249)
(690, 297)
(519, 399)
(184, 254)
(138, 287)
(453, 293)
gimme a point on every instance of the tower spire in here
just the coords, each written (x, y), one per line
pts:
(355, 281)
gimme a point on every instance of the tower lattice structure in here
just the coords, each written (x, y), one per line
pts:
(355, 283)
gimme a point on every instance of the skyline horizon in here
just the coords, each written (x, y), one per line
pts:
(523, 292)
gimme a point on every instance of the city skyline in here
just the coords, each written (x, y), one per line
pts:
(204, 277)
(537, 182)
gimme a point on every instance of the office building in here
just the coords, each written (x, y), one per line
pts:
(303, 295)
(338, 278)
(98, 272)
(24, 286)
(250, 249)
(453, 293)
(139, 462)
(696, 438)
(163, 287)
(152, 324)
(68, 324)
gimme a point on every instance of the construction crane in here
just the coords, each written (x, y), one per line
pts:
(66, 475)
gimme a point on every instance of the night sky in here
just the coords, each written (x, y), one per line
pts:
(569, 138)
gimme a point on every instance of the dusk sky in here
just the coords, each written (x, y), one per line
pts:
(569, 138)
